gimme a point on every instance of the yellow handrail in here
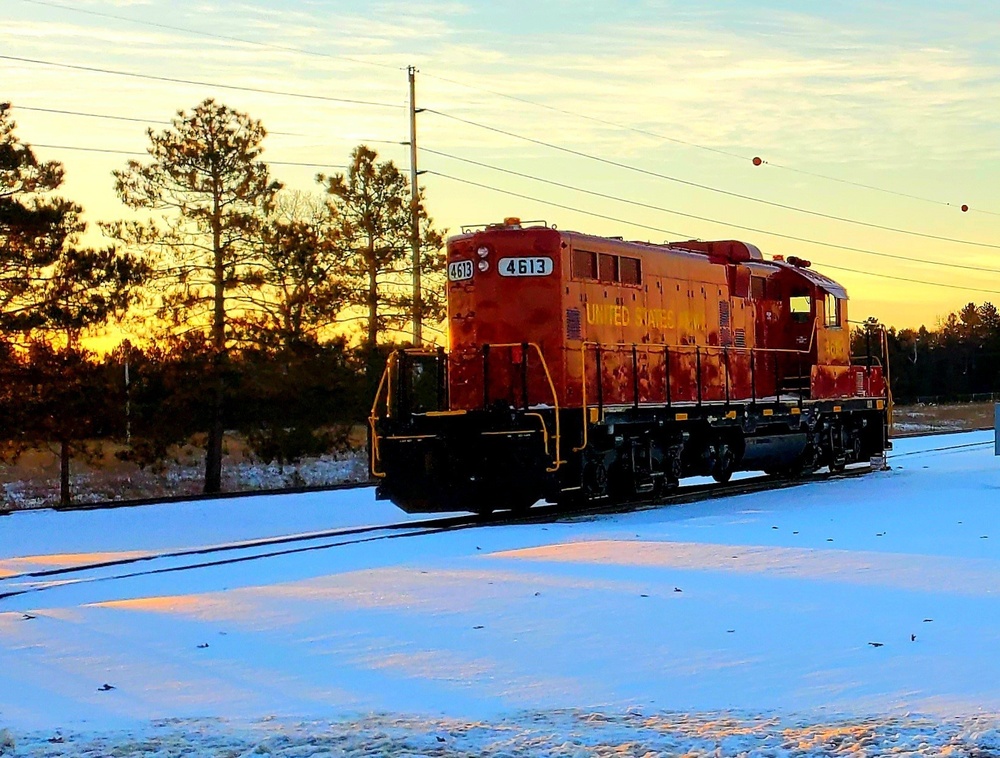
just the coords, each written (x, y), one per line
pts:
(583, 381)
(661, 346)
(888, 382)
(555, 396)
(545, 430)
(372, 417)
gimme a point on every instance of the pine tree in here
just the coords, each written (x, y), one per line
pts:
(206, 178)
(371, 207)
(47, 282)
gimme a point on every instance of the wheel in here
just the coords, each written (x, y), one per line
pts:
(595, 480)
(725, 464)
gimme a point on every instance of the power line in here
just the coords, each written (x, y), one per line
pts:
(146, 155)
(170, 123)
(585, 116)
(912, 281)
(172, 80)
(90, 115)
(686, 143)
(756, 230)
(211, 35)
(121, 118)
(556, 205)
(527, 101)
(685, 182)
(658, 229)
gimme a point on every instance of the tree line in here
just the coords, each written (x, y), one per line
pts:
(961, 357)
(246, 293)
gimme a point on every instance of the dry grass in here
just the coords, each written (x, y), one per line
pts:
(32, 479)
(944, 417)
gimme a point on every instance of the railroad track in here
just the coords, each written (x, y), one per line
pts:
(13, 585)
(131, 503)
(190, 559)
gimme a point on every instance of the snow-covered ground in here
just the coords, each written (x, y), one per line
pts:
(850, 617)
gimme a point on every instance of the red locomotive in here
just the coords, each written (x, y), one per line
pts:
(584, 368)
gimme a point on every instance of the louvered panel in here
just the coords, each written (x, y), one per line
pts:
(574, 324)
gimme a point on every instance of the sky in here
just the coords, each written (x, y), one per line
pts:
(875, 122)
(847, 617)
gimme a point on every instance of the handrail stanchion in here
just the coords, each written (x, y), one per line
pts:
(697, 364)
(486, 376)
(600, 382)
(442, 375)
(385, 382)
(753, 377)
(524, 373)
(777, 381)
(802, 389)
(583, 403)
(635, 378)
(666, 368)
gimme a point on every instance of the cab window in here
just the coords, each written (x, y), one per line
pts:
(832, 308)
(584, 264)
(607, 268)
(630, 270)
(800, 306)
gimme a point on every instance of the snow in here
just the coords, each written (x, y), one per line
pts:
(857, 616)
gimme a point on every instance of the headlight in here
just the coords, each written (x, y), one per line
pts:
(484, 265)
(483, 252)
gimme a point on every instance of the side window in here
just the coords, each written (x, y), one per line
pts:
(584, 264)
(630, 270)
(758, 288)
(608, 268)
(832, 308)
(800, 306)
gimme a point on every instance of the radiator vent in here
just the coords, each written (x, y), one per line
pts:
(574, 325)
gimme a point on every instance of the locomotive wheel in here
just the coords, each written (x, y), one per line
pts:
(725, 464)
(595, 480)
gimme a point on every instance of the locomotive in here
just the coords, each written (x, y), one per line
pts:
(584, 368)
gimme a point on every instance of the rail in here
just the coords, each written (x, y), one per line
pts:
(723, 350)
(667, 350)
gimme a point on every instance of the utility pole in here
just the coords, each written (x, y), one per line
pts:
(414, 213)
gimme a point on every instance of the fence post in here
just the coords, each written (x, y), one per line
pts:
(996, 429)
